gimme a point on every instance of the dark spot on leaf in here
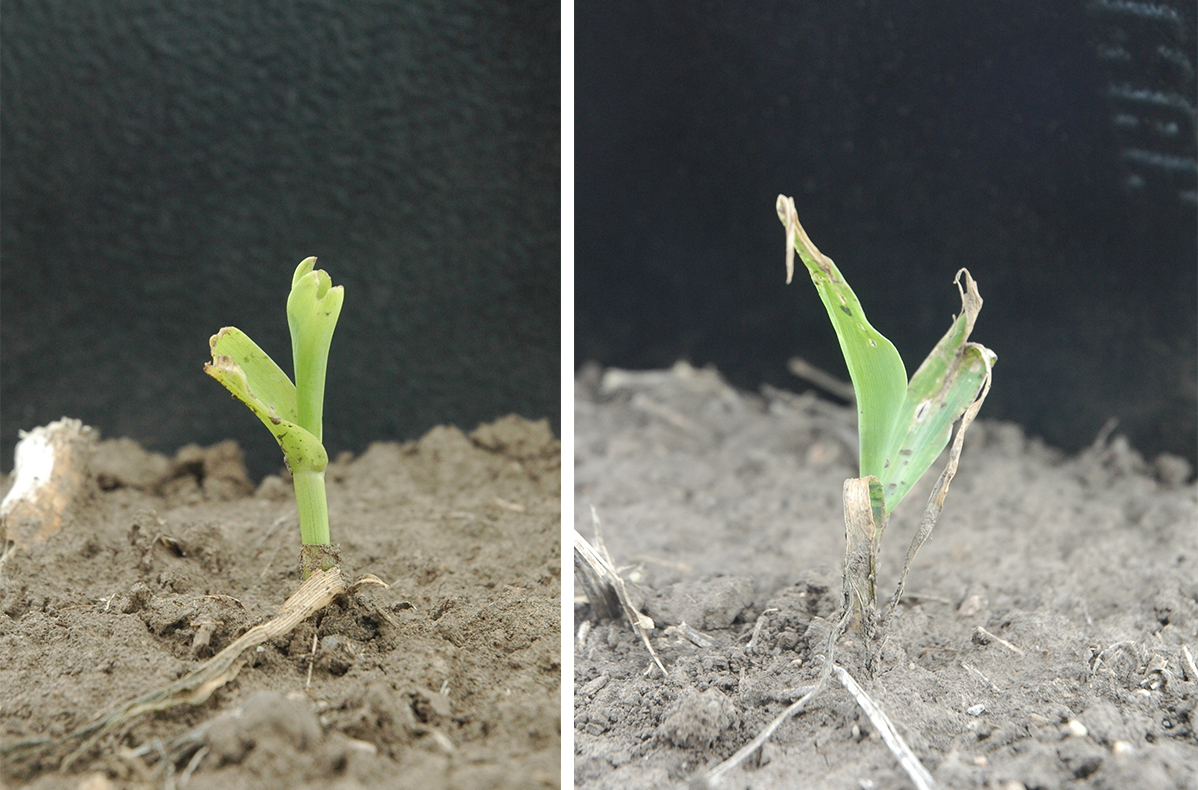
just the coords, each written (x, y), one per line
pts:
(905, 451)
(846, 310)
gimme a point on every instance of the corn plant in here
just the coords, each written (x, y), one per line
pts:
(292, 412)
(903, 425)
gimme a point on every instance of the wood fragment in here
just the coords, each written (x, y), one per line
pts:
(51, 471)
(600, 573)
(822, 379)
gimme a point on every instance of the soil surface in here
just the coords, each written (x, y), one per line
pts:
(1044, 640)
(448, 678)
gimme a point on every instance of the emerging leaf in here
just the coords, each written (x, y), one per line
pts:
(313, 307)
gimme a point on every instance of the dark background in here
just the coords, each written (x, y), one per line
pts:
(917, 138)
(165, 166)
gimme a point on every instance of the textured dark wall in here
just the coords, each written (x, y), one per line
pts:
(165, 166)
(916, 138)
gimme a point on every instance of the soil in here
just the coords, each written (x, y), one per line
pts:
(1042, 642)
(448, 678)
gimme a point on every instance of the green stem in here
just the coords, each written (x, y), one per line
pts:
(313, 507)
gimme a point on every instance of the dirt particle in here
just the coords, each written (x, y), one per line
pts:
(266, 717)
(698, 719)
(516, 437)
(1104, 723)
(274, 488)
(120, 463)
(707, 605)
(380, 715)
(971, 606)
(337, 654)
(137, 599)
(217, 471)
(1172, 470)
(431, 706)
(594, 686)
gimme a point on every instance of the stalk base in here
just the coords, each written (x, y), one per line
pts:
(319, 556)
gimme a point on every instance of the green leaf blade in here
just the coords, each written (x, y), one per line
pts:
(302, 450)
(943, 387)
(928, 431)
(875, 367)
(264, 378)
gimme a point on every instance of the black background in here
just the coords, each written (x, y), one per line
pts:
(165, 166)
(917, 138)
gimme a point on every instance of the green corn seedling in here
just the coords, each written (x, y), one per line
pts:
(903, 425)
(292, 412)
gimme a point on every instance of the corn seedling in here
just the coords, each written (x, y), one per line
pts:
(292, 412)
(903, 425)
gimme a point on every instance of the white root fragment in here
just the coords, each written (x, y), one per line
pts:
(907, 759)
(584, 630)
(762, 619)
(985, 680)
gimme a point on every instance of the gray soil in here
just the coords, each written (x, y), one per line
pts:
(1042, 642)
(450, 678)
